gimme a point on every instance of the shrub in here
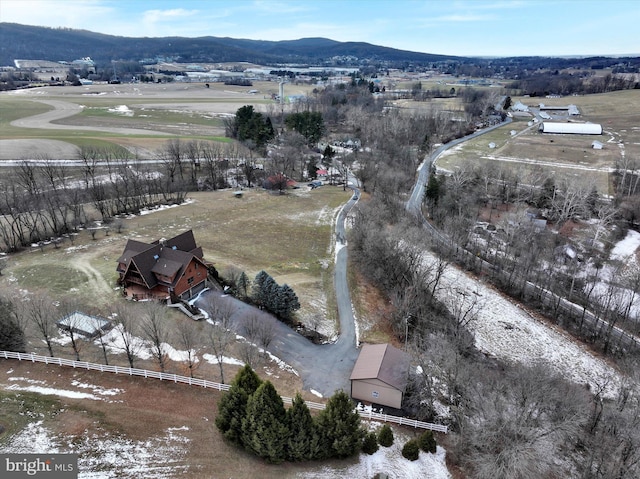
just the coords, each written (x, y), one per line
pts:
(385, 436)
(427, 442)
(411, 450)
(370, 443)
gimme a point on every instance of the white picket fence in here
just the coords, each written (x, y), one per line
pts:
(370, 415)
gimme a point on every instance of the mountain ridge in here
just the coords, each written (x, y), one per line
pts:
(28, 42)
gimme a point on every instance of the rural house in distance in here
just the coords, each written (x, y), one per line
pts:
(165, 270)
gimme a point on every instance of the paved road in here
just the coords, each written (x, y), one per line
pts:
(618, 335)
(323, 368)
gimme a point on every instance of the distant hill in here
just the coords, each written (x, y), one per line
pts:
(55, 44)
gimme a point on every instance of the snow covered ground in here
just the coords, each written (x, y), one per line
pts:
(505, 330)
(389, 460)
(109, 457)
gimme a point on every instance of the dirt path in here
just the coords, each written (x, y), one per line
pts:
(96, 281)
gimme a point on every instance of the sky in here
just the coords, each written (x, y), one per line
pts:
(449, 27)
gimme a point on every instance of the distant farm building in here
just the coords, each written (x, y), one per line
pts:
(84, 324)
(569, 109)
(596, 145)
(519, 106)
(380, 375)
(571, 128)
(169, 270)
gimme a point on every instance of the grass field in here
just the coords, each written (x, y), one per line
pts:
(560, 156)
(289, 236)
(175, 110)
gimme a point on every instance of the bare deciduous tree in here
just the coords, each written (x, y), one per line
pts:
(127, 326)
(221, 337)
(189, 339)
(155, 329)
(41, 313)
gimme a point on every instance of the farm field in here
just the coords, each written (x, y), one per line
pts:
(569, 157)
(139, 117)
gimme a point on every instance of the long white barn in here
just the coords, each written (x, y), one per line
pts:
(574, 128)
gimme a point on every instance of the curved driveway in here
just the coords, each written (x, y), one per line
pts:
(323, 368)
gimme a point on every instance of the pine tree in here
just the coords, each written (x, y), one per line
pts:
(288, 301)
(301, 431)
(258, 292)
(243, 284)
(232, 408)
(411, 450)
(11, 334)
(247, 380)
(370, 443)
(270, 294)
(385, 436)
(338, 428)
(427, 442)
(231, 412)
(264, 429)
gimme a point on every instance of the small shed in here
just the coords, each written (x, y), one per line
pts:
(380, 375)
(84, 324)
(596, 145)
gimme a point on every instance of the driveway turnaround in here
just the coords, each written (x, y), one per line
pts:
(324, 368)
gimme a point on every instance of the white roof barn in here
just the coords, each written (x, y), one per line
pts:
(572, 128)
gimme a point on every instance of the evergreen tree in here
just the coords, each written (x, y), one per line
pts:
(247, 380)
(338, 428)
(270, 294)
(249, 124)
(385, 436)
(301, 431)
(258, 292)
(264, 429)
(309, 124)
(232, 408)
(243, 284)
(411, 450)
(370, 443)
(11, 334)
(432, 192)
(287, 301)
(427, 442)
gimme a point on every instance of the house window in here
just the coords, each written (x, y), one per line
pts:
(375, 394)
(190, 280)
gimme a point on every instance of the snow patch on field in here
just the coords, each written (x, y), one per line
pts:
(102, 457)
(212, 359)
(40, 387)
(53, 392)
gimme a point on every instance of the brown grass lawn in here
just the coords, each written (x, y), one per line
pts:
(289, 236)
(563, 156)
(140, 413)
